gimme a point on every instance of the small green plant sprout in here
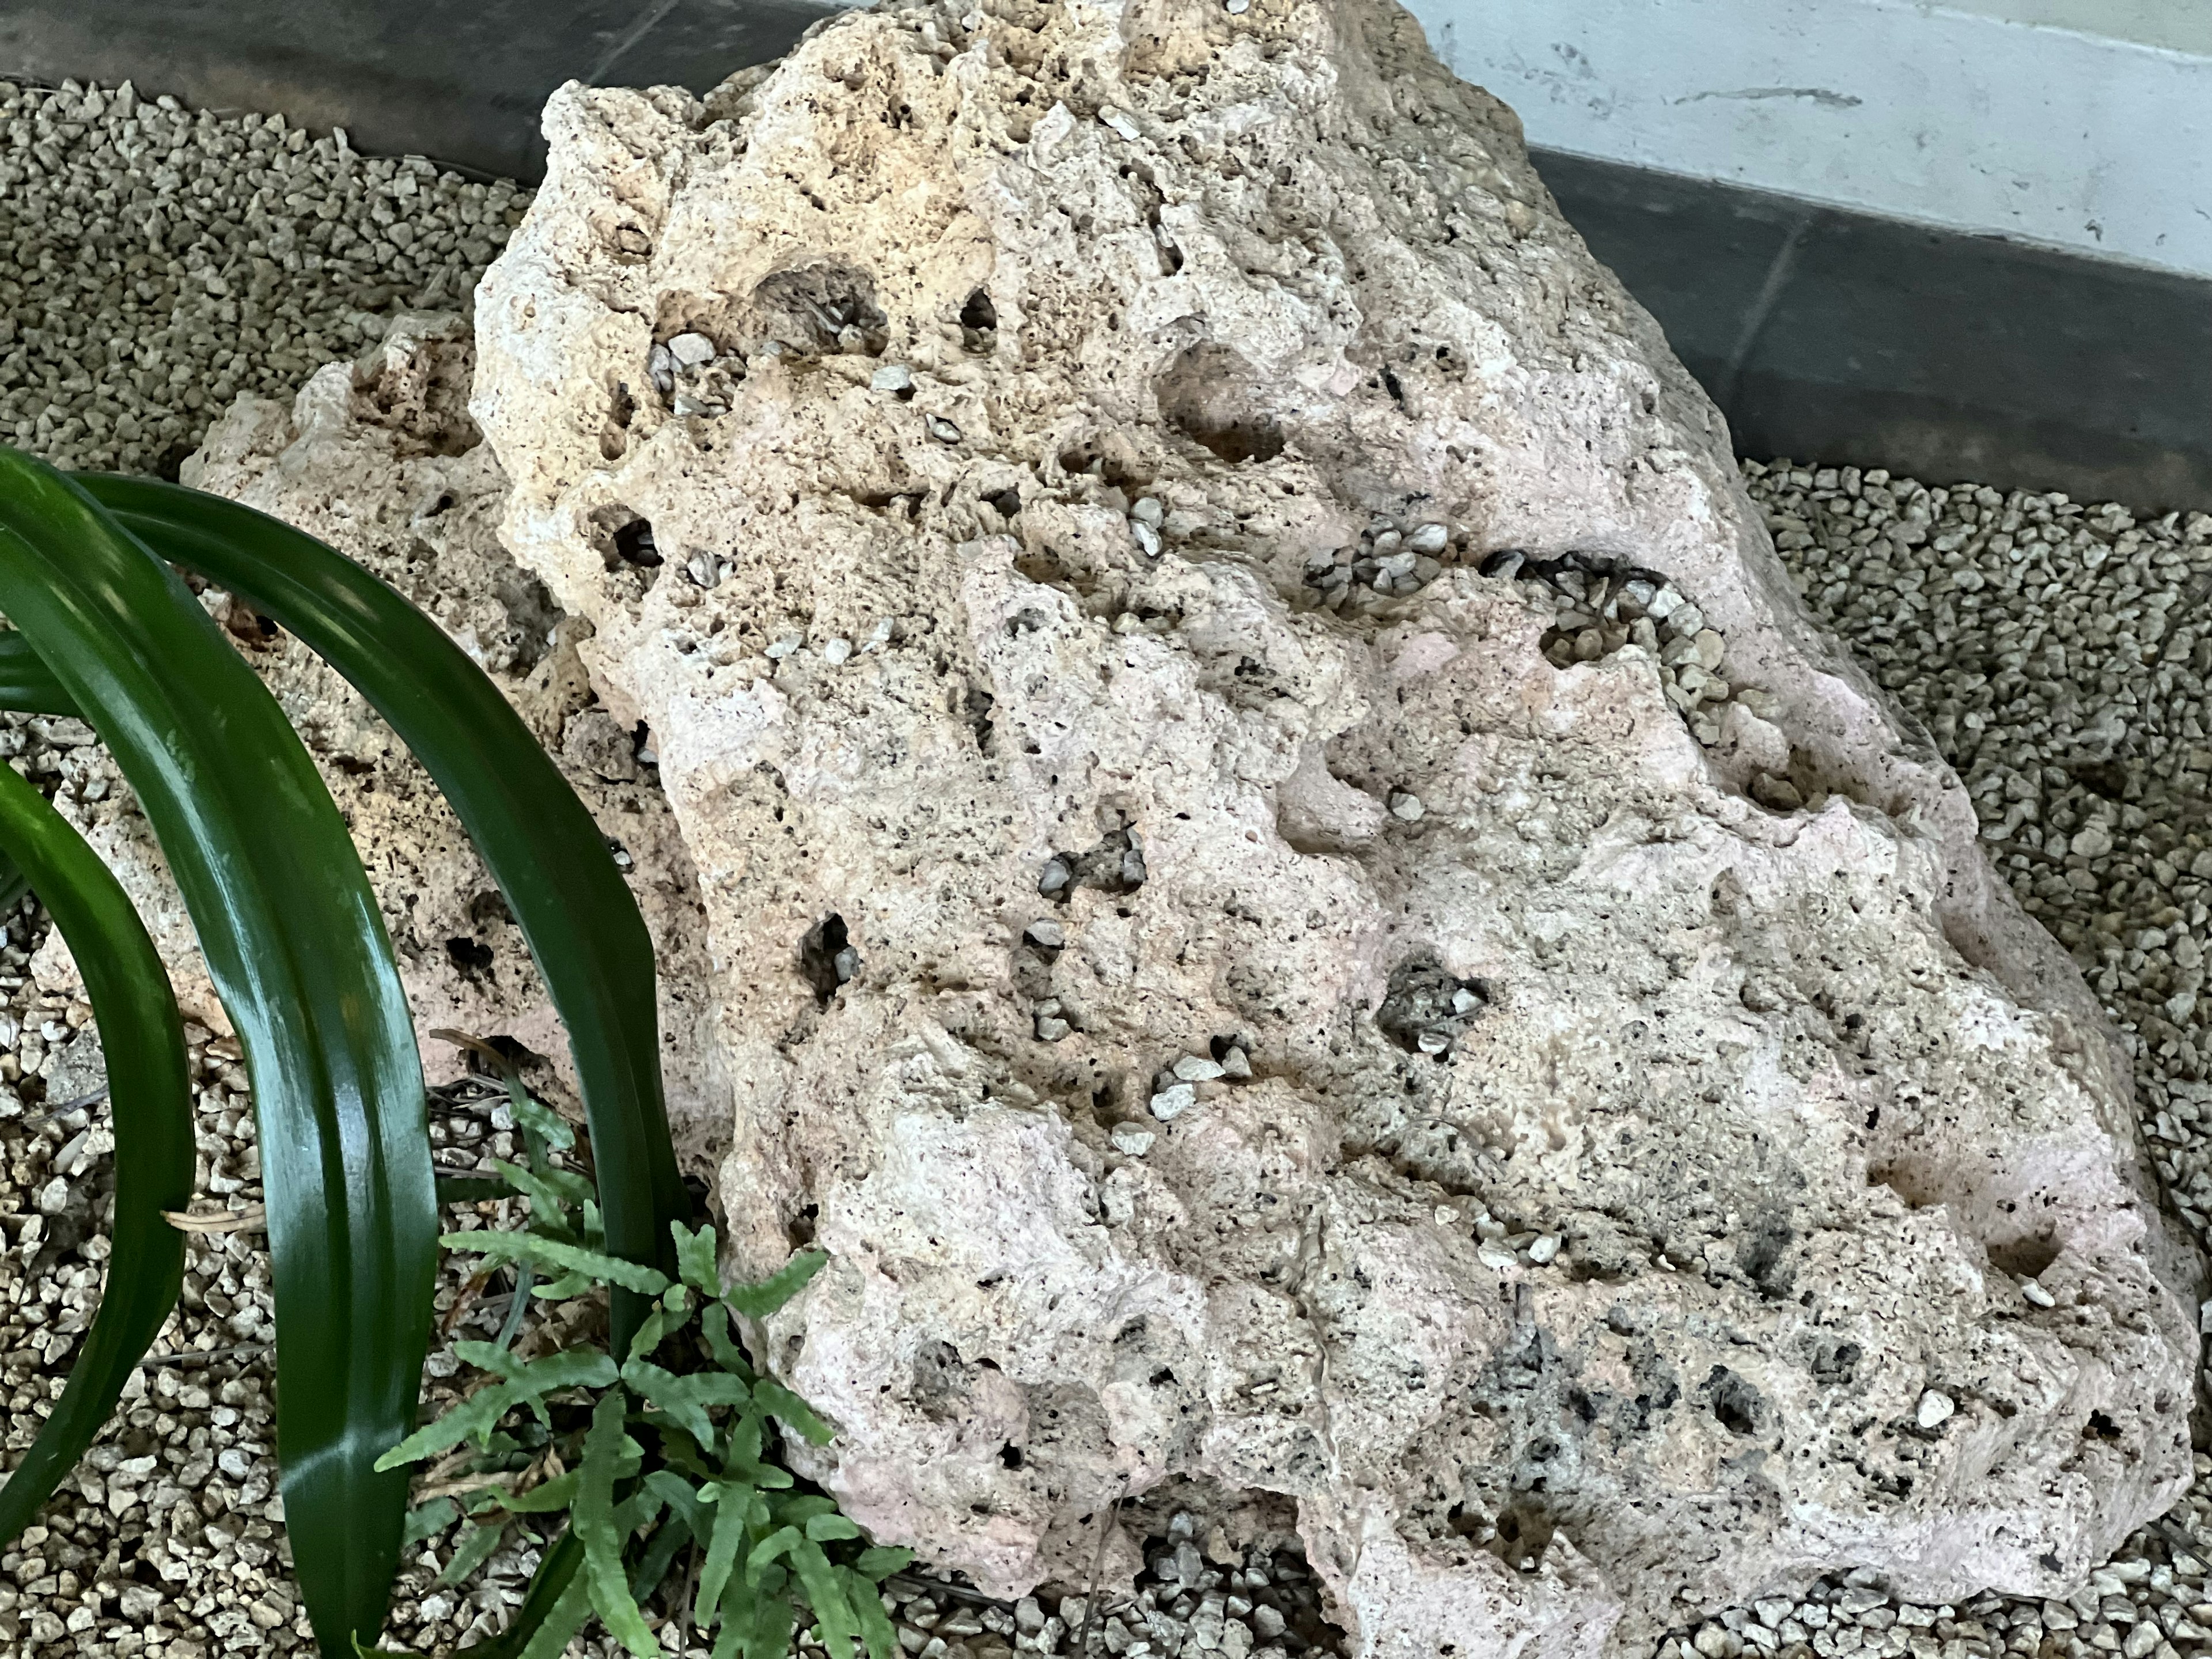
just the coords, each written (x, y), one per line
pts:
(668, 1455)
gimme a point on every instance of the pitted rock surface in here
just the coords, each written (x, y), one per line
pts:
(1292, 896)
(380, 458)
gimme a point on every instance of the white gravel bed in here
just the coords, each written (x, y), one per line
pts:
(156, 262)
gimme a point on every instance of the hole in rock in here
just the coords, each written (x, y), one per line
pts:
(976, 709)
(1918, 1187)
(1735, 1404)
(828, 306)
(2100, 1427)
(827, 958)
(1523, 1533)
(489, 906)
(1426, 1008)
(1196, 1531)
(634, 544)
(2025, 1258)
(1010, 1455)
(1761, 1254)
(979, 322)
(1115, 865)
(469, 957)
(1211, 396)
(1836, 1365)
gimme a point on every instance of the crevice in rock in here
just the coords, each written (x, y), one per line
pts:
(1427, 1008)
(827, 958)
(1211, 394)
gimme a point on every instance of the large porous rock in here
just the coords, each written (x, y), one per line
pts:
(1293, 898)
(380, 460)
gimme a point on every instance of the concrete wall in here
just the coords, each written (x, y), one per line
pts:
(2009, 117)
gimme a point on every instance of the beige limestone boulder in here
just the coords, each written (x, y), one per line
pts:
(1292, 896)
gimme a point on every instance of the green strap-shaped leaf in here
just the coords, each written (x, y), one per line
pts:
(594, 1522)
(735, 1510)
(549, 1638)
(476, 1547)
(771, 1549)
(519, 1385)
(660, 1555)
(686, 1399)
(715, 1325)
(551, 1193)
(876, 1627)
(541, 846)
(27, 684)
(471, 1189)
(14, 884)
(553, 1609)
(825, 1593)
(149, 1083)
(430, 1518)
(556, 1257)
(546, 1496)
(796, 1413)
(759, 1301)
(879, 1561)
(683, 1503)
(696, 1259)
(295, 944)
(757, 1621)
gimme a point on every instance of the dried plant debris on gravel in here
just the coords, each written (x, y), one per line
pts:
(159, 261)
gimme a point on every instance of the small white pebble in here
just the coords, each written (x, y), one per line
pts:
(1465, 1001)
(1238, 8)
(1497, 1256)
(1236, 1064)
(1047, 933)
(691, 349)
(1134, 1140)
(1545, 1248)
(2034, 1290)
(785, 646)
(1148, 510)
(1430, 538)
(1404, 805)
(941, 429)
(1122, 121)
(1147, 537)
(1173, 1101)
(891, 377)
(1935, 1407)
(878, 636)
(835, 651)
(1197, 1068)
(1051, 1028)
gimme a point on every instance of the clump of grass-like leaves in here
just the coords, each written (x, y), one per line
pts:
(665, 1453)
